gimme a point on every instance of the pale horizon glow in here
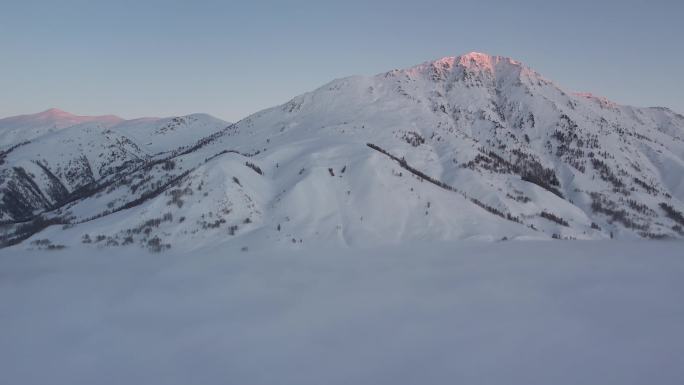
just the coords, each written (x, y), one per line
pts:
(230, 59)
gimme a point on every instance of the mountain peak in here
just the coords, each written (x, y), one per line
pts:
(483, 64)
(56, 113)
(477, 60)
(482, 61)
(470, 59)
(476, 56)
(29, 126)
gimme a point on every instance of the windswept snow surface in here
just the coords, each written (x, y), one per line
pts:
(555, 312)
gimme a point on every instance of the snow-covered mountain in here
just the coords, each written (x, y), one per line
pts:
(18, 129)
(474, 146)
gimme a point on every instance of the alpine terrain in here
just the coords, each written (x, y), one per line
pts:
(467, 147)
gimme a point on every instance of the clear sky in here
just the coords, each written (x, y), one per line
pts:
(233, 58)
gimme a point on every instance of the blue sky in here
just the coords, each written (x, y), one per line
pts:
(230, 59)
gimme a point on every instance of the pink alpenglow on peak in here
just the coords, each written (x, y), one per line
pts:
(27, 127)
(601, 100)
(445, 62)
(489, 66)
(60, 119)
(55, 112)
(477, 60)
(483, 61)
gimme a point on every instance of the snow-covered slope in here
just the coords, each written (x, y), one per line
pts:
(68, 163)
(474, 146)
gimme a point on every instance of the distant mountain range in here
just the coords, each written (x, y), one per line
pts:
(467, 147)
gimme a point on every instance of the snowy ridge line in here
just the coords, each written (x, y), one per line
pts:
(123, 172)
(72, 147)
(26, 228)
(422, 176)
(39, 222)
(140, 200)
(4, 153)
